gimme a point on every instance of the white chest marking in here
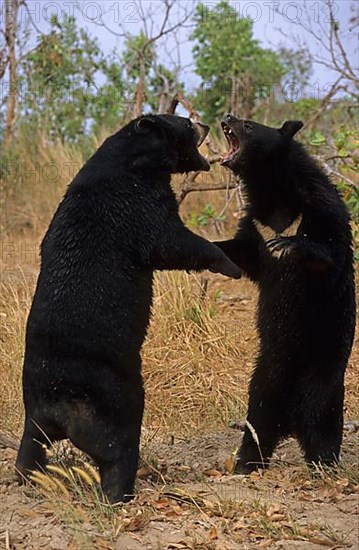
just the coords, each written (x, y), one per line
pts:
(267, 232)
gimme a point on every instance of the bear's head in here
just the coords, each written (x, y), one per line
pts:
(165, 143)
(264, 158)
(256, 147)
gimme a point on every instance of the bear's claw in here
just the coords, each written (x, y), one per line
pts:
(281, 247)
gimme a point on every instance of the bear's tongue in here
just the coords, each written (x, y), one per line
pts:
(233, 143)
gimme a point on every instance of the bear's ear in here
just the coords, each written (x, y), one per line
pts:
(291, 127)
(201, 131)
(145, 125)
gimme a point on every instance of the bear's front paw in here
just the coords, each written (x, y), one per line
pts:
(227, 268)
(282, 247)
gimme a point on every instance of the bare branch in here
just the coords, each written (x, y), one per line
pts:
(334, 29)
(331, 52)
(192, 113)
(200, 188)
(31, 19)
(101, 23)
(337, 157)
(339, 175)
(4, 61)
(165, 31)
(325, 102)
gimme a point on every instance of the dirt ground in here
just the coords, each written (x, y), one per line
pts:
(186, 501)
(186, 496)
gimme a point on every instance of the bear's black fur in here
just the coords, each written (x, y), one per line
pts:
(294, 241)
(117, 223)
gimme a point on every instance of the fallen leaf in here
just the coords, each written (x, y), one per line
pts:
(161, 504)
(212, 473)
(277, 517)
(213, 533)
(144, 471)
(274, 509)
(137, 522)
(179, 545)
(229, 464)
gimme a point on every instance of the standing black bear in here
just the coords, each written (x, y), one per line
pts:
(117, 223)
(294, 241)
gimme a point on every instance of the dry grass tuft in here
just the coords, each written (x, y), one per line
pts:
(34, 178)
(190, 359)
(14, 305)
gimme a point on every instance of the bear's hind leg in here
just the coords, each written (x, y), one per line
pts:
(32, 451)
(320, 428)
(119, 474)
(110, 434)
(265, 425)
(260, 438)
(319, 445)
(114, 447)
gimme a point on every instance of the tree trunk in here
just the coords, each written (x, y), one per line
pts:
(11, 14)
(140, 89)
(233, 100)
(165, 99)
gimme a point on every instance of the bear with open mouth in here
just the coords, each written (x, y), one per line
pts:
(294, 241)
(117, 223)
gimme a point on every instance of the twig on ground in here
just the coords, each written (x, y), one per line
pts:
(9, 442)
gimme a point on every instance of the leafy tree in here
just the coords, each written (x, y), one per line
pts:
(235, 70)
(136, 49)
(60, 77)
(163, 87)
(108, 106)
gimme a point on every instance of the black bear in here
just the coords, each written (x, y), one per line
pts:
(117, 223)
(294, 241)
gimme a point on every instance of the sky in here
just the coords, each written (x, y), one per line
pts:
(269, 27)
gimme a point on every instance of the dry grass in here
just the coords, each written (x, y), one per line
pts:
(191, 359)
(15, 303)
(197, 360)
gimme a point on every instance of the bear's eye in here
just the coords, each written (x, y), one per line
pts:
(248, 127)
